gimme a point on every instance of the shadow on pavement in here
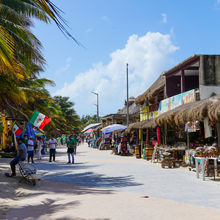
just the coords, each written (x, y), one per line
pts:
(34, 212)
(92, 179)
(60, 166)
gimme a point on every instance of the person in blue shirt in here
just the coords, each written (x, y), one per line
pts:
(21, 156)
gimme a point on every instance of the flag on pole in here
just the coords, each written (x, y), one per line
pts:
(16, 130)
(39, 120)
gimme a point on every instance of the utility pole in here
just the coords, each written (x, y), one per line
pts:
(127, 99)
(97, 105)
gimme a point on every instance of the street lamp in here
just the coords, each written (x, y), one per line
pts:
(97, 105)
(127, 97)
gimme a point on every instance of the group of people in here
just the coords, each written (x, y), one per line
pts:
(26, 150)
(120, 143)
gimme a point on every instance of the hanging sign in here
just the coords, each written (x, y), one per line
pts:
(144, 113)
(177, 100)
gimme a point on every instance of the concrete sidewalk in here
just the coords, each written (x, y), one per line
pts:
(105, 186)
(102, 169)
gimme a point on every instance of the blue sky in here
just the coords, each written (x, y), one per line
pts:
(151, 35)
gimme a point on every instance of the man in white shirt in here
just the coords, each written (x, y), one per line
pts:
(52, 146)
(30, 149)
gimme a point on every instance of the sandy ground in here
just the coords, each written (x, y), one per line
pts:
(60, 197)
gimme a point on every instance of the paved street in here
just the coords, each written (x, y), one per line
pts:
(102, 169)
(104, 186)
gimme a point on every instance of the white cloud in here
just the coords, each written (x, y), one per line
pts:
(172, 33)
(65, 68)
(164, 18)
(89, 30)
(104, 18)
(147, 57)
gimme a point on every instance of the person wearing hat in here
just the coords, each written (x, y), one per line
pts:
(30, 149)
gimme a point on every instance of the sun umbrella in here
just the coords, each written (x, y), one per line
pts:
(90, 126)
(39, 134)
(112, 128)
(88, 131)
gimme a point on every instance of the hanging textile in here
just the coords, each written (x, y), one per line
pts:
(207, 128)
(158, 135)
(147, 140)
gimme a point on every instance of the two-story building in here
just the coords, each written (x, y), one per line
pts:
(186, 95)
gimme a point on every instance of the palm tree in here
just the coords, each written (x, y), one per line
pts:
(20, 11)
(21, 61)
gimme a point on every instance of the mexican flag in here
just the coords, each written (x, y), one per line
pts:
(39, 120)
(16, 130)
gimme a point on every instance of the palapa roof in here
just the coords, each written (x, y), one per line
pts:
(160, 82)
(186, 63)
(133, 109)
(151, 92)
(209, 107)
(142, 124)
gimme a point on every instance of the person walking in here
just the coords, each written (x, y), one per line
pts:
(30, 149)
(39, 148)
(75, 142)
(70, 149)
(52, 146)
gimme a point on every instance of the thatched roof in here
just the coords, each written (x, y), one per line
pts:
(179, 116)
(148, 123)
(142, 124)
(193, 111)
(133, 109)
(189, 61)
(132, 126)
(158, 85)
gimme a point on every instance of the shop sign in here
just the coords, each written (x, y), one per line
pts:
(177, 100)
(144, 113)
(153, 114)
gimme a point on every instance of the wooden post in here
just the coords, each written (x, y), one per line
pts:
(16, 144)
(5, 132)
(187, 139)
(165, 133)
(218, 134)
(142, 142)
(182, 81)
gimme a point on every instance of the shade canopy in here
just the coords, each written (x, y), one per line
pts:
(89, 131)
(91, 126)
(112, 128)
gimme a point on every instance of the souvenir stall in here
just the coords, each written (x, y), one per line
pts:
(134, 129)
(197, 132)
(97, 136)
(109, 135)
(151, 139)
(170, 150)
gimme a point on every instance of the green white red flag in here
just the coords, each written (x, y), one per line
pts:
(39, 120)
(16, 130)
